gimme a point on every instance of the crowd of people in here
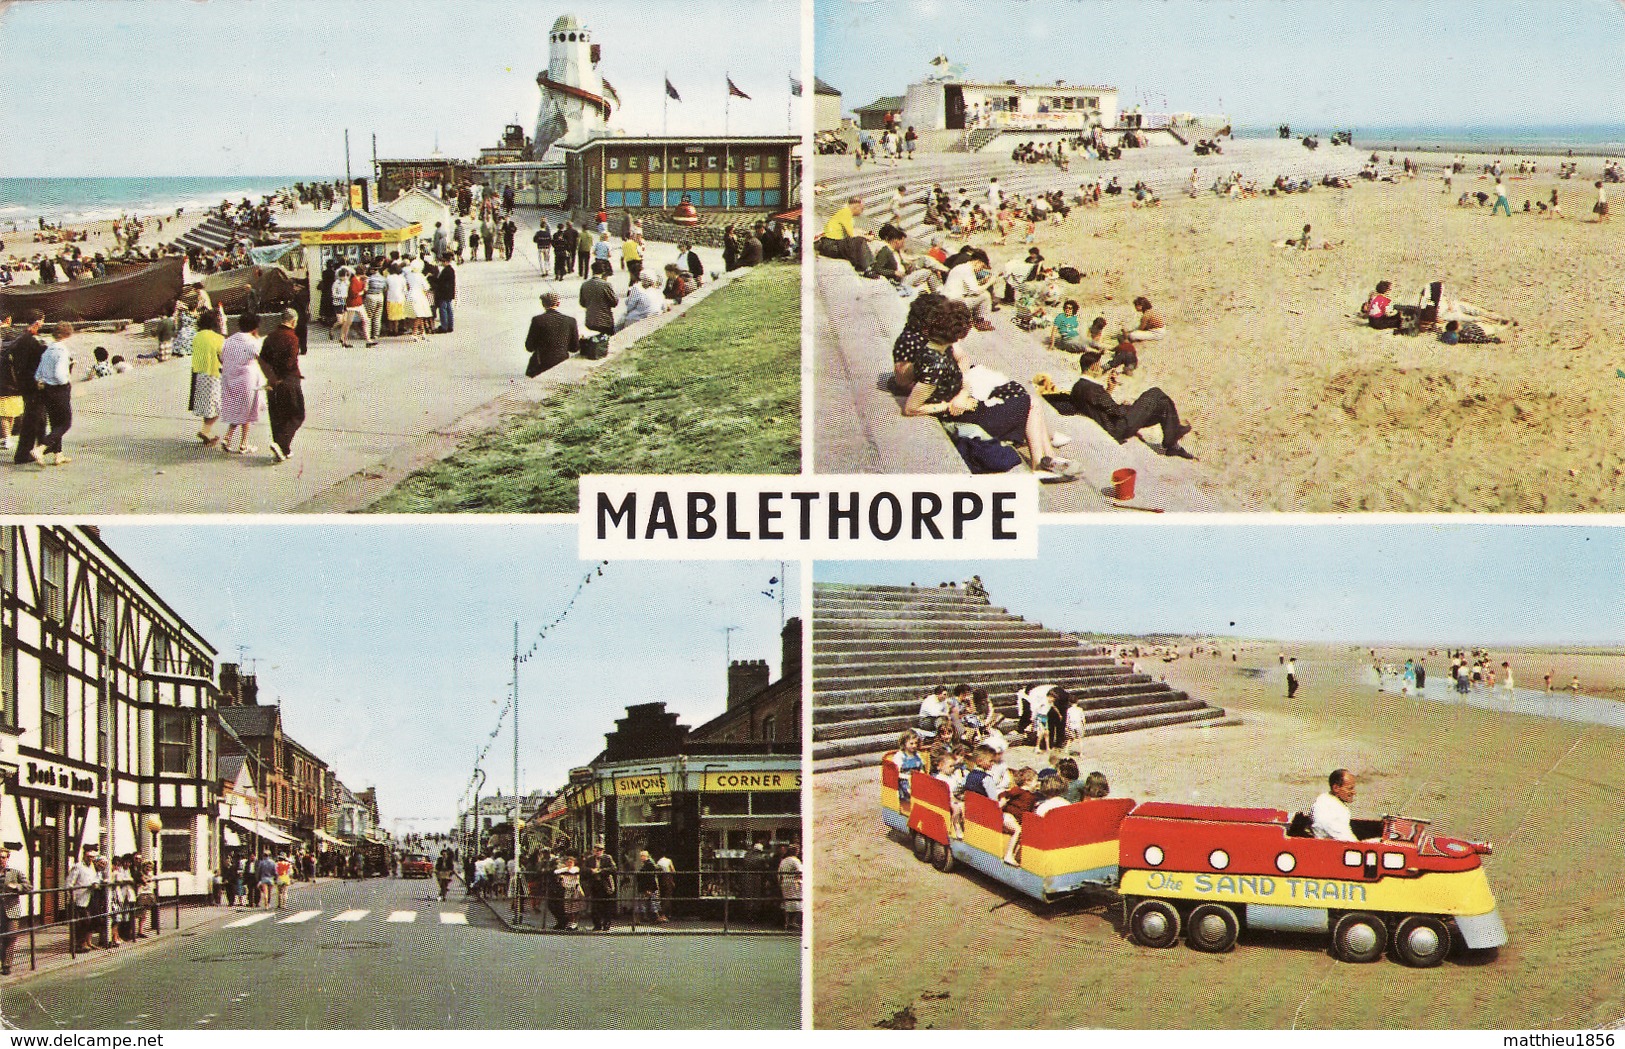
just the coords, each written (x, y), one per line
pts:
(960, 390)
(962, 739)
(109, 900)
(572, 886)
(1469, 671)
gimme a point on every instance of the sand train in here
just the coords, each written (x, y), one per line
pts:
(1205, 872)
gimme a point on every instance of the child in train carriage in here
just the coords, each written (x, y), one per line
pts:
(1070, 779)
(907, 759)
(949, 768)
(1017, 801)
(983, 760)
(1051, 794)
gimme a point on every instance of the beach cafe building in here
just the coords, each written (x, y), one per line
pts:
(713, 172)
(702, 804)
(355, 235)
(954, 105)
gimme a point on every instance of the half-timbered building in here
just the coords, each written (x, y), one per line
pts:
(104, 689)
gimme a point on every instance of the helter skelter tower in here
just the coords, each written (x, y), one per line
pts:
(576, 101)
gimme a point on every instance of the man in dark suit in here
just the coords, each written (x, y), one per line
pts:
(564, 250)
(553, 337)
(599, 300)
(750, 249)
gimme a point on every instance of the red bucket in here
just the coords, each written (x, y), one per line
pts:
(1123, 482)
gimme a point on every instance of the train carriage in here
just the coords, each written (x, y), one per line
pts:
(1203, 873)
(1061, 852)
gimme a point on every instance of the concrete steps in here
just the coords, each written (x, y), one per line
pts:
(1166, 169)
(880, 649)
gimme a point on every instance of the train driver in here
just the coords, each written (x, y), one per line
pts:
(1329, 816)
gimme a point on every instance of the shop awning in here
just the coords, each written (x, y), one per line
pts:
(322, 835)
(230, 837)
(263, 830)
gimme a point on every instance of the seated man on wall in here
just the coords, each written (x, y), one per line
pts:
(843, 240)
(553, 336)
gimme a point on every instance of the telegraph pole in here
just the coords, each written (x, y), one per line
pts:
(514, 881)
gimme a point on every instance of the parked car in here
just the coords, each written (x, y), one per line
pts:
(416, 865)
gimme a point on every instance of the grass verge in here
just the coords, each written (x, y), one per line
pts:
(717, 390)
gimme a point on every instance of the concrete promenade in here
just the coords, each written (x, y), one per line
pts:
(858, 423)
(373, 415)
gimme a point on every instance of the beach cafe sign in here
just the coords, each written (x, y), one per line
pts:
(50, 777)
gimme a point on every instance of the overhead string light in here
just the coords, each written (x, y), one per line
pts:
(541, 635)
(595, 572)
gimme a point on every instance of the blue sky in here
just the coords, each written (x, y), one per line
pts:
(1416, 583)
(231, 87)
(1318, 63)
(390, 645)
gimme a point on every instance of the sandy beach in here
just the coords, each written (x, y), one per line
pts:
(891, 933)
(21, 246)
(1299, 406)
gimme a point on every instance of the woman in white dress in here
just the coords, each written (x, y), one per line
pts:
(417, 299)
(395, 314)
(790, 888)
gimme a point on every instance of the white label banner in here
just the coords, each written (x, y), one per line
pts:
(878, 517)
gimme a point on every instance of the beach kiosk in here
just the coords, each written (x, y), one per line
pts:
(424, 208)
(355, 235)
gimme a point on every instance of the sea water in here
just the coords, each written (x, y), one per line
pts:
(1559, 703)
(1586, 140)
(24, 201)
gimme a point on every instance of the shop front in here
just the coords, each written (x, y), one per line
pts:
(57, 806)
(708, 815)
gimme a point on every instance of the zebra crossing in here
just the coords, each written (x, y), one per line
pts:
(390, 917)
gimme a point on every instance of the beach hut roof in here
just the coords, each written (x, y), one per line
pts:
(371, 219)
(883, 104)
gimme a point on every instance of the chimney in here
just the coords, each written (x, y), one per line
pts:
(251, 690)
(790, 659)
(746, 677)
(231, 685)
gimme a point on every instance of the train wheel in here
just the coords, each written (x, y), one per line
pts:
(1212, 927)
(922, 847)
(1421, 942)
(1359, 938)
(1154, 923)
(942, 857)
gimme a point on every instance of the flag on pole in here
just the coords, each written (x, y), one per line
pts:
(795, 88)
(733, 89)
(671, 92)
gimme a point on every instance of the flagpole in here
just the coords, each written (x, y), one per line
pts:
(665, 101)
(727, 170)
